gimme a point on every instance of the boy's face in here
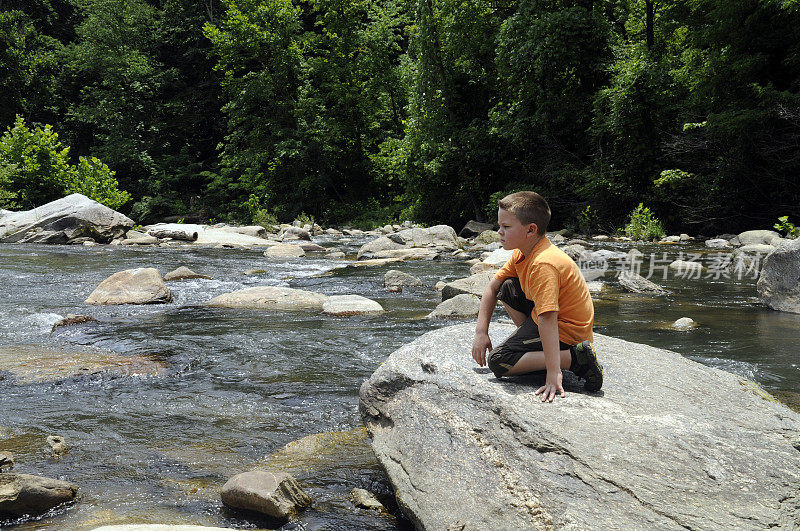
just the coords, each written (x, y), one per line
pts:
(513, 234)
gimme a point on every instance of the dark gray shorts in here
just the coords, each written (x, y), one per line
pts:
(524, 339)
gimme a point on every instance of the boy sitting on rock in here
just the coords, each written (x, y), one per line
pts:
(547, 298)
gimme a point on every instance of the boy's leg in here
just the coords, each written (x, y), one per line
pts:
(513, 298)
(522, 352)
(517, 316)
(535, 361)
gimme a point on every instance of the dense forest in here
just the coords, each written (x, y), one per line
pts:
(368, 111)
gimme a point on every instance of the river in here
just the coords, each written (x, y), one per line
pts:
(235, 386)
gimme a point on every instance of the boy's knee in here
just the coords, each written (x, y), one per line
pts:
(498, 363)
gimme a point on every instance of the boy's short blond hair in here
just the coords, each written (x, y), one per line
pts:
(528, 207)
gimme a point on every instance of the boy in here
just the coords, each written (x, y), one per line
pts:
(547, 298)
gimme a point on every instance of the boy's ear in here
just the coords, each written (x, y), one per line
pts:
(533, 229)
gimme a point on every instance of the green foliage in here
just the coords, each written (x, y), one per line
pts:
(643, 225)
(35, 170)
(787, 227)
(305, 219)
(587, 220)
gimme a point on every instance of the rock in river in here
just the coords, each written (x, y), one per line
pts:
(132, 286)
(636, 283)
(779, 281)
(275, 494)
(667, 444)
(395, 280)
(474, 285)
(183, 273)
(344, 305)
(26, 494)
(271, 298)
(464, 305)
(285, 250)
(66, 219)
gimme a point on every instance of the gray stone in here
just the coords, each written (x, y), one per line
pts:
(577, 252)
(254, 231)
(285, 250)
(607, 254)
(140, 240)
(671, 239)
(294, 233)
(578, 241)
(57, 445)
(159, 527)
(368, 250)
(460, 306)
(64, 220)
(366, 500)
(779, 282)
(275, 494)
(600, 237)
(395, 280)
(684, 323)
(482, 267)
(337, 255)
(638, 284)
(667, 444)
(344, 305)
(474, 228)
(474, 284)
(22, 494)
(684, 268)
(6, 461)
(227, 238)
(183, 273)
(270, 298)
(497, 257)
(413, 253)
(718, 243)
(374, 262)
(556, 238)
(310, 247)
(764, 237)
(487, 237)
(685, 237)
(73, 319)
(132, 286)
(439, 237)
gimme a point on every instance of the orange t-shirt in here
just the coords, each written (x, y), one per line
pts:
(554, 283)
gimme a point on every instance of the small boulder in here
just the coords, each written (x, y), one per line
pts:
(336, 255)
(395, 280)
(718, 243)
(778, 285)
(275, 494)
(270, 298)
(183, 273)
(638, 284)
(344, 305)
(482, 267)
(671, 239)
(488, 236)
(413, 253)
(555, 238)
(366, 500)
(58, 445)
(474, 284)
(368, 250)
(294, 233)
(139, 239)
(6, 461)
(143, 285)
(473, 228)
(311, 247)
(255, 231)
(684, 268)
(22, 494)
(753, 237)
(498, 257)
(464, 305)
(285, 250)
(577, 252)
(600, 237)
(684, 323)
(439, 286)
(685, 237)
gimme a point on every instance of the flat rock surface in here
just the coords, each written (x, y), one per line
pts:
(271, 298)
(471, 285)
(350, 305)
(275, 494)
(464, 305)
(36, 364)
(183, 273)
(667, 444)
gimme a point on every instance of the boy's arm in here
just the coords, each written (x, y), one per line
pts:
(481, 343)
(548, 331)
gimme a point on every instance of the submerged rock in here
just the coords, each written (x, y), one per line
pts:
(58, 445)
(365, 499)
(61, 221)
(395, 280)
(73, 319)
(270, 298)
(324, 453)
(638, 284)
(132, 286)
(35, 364)
(684, 323)
(22, 494)
(6, 461)
(275, 494)
(183, 273)
(663, 430)
(779, 282)
(344, 305)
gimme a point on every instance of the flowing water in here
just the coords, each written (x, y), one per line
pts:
(215, 391)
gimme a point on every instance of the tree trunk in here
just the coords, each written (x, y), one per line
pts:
(650, 20)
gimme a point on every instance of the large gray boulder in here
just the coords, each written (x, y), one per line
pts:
(474, 228)
(395, 280)
(143, 285)
(61, 221)
(667, 444)
(471, 285)
(270, 298)
(368, 250)
(22, 494)
(460, 306)
(779, 282)
(751, 237)
(440, 237)
(275, 494)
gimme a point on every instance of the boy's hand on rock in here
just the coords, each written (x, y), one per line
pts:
(551, 387)
(480, 345)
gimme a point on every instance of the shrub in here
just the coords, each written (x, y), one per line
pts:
(643, 225)
(787, 227)
(35, 169)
